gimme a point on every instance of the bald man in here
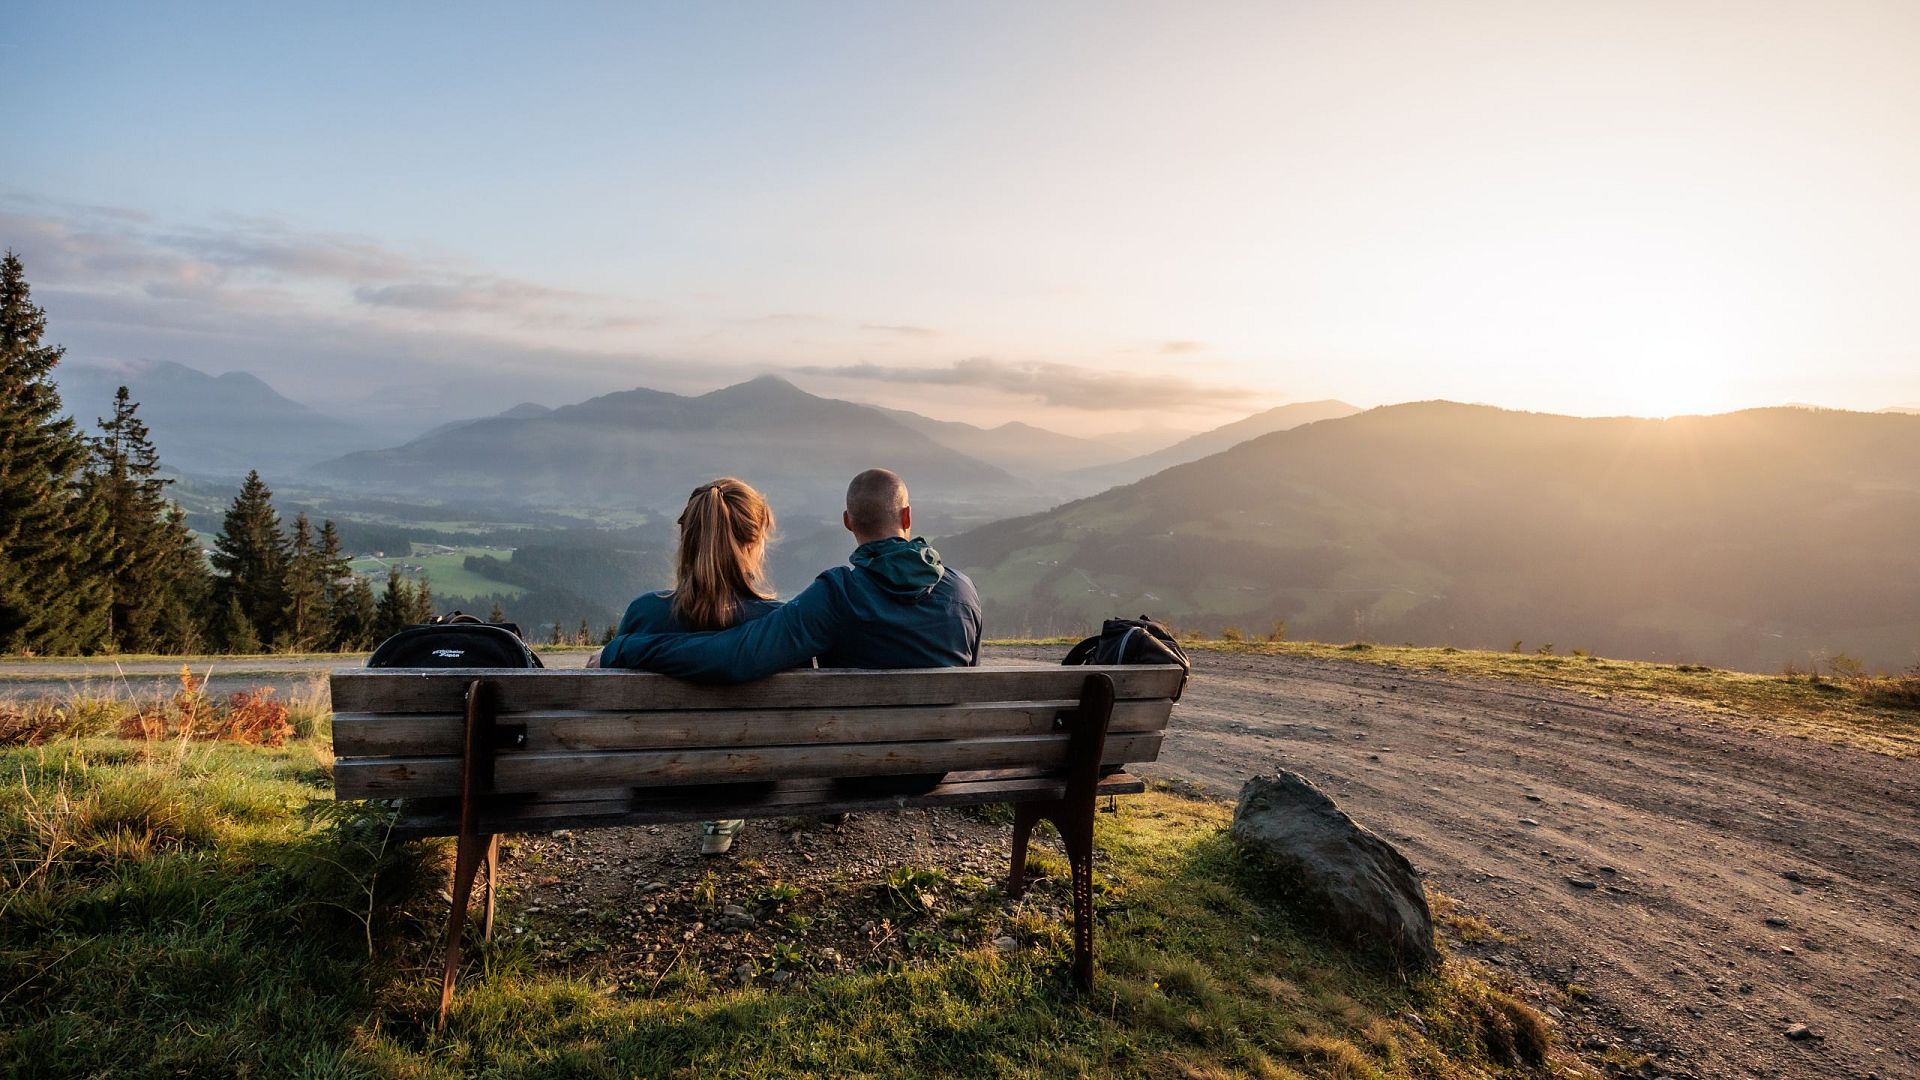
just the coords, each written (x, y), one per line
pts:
(894, 606)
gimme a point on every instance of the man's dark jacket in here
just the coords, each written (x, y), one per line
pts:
(896, 606)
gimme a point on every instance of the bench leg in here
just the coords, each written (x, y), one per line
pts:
(1025, 817)
(466, 862)
(470, 849)
(1076, 832)
(1073, 816)
(492, 886)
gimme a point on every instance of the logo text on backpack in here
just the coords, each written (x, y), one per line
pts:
(451, 654)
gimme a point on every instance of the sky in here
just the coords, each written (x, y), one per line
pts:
(1091, 216)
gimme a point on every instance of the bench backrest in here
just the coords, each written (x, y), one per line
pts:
(397, 733)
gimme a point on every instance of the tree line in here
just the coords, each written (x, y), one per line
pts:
(95, 558)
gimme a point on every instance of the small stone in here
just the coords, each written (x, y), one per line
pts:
(561, 834)
(743, 973)
(733, 909)
(1528, 821)
(1792, 875)
(1775, 920)
(1787, 949)
(1801, 1033)
(1533, 798)
(781, 976)
(1582, 883)
(1005, 944)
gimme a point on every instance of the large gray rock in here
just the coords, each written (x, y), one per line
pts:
(1366, 889)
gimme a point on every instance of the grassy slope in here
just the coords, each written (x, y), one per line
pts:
(180, 909)
(1882, 715)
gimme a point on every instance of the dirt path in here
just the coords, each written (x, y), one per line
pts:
(1705, 889)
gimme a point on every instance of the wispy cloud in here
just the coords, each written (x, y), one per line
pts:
(468, 294)
(1055, 384)
(101, 250)
(899, 330)
(1173, 348)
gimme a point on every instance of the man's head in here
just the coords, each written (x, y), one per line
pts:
(877, 506)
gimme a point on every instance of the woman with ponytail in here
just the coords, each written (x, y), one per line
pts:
(719, 580)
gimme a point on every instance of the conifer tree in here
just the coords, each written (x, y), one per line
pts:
(251, 557)
(495, 613)
(395, 609)
(304, 619)
(422, 607)
(177, 619)
(357, 617)
(234, 631)
(584, 636)
(52, 594)
(154, 573)
(347, 624)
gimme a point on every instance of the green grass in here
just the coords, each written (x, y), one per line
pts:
(446, 571)
(201, 909)
(1878, 714)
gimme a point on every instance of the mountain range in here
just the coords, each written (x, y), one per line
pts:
(1755, 539)
(649, 448)
(1194, 447)
(214, 425)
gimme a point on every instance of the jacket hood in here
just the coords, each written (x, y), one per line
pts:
(906, 569)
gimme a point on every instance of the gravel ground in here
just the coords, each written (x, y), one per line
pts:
(1675, 887)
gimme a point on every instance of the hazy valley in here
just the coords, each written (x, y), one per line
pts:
(1760, 540)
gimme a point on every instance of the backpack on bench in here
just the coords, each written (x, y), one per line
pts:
(1133, 641)
(455, 641)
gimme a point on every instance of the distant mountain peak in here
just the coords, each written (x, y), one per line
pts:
(760, 386)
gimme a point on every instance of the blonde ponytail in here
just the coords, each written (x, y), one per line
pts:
(722, 558)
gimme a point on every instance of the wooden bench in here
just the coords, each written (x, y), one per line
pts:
(475, 753)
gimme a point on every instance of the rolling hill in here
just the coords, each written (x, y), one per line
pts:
(1755, 539)
(1019, 448)
(214, 425)
(647, 449)
(1194, 447)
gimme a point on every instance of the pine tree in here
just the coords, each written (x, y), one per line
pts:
(584, 636)
(422, 607)
(53, 597)
(346, 627)
(304, 619)
(251, 556)
(496, 614)
(234, 631)
(178, 621)
(357, 619)
(395, 610)
(154, 574)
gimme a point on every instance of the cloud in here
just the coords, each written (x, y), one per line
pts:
(903, 331)
(1061, 385)
(99, 249)
(470, 294)
(1176, 347)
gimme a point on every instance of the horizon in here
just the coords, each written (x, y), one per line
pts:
(1086, 224)
(986, 421)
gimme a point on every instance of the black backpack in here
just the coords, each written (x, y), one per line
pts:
(1132, 641)
(456, 641)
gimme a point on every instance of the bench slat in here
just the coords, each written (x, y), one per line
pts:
(364, 778)
(434, 735)
(787, 798)
(401, 690)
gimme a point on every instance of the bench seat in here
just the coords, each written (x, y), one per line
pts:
(477, 753)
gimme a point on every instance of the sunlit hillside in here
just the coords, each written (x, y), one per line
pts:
(1756, 539)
